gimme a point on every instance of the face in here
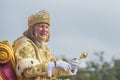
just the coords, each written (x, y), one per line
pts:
(41, 31)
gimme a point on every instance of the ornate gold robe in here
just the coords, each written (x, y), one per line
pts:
(25, 48)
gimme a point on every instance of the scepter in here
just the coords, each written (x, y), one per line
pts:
(75, 64)
(83, 56)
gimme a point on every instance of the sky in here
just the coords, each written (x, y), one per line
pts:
(77, 26)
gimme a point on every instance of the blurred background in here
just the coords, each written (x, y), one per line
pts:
(77, 26)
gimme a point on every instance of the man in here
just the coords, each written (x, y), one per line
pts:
(34, 60)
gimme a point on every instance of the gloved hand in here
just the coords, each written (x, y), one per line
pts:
(60, 65)
(74, 62)
(74, 65)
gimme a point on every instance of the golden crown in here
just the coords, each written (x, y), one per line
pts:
(41, 16)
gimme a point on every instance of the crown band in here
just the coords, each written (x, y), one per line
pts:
(41, 16)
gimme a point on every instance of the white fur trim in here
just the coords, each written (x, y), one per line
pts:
(25, 63)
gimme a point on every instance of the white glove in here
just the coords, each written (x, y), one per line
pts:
(60, 65)
(74, 62)
(74, 65)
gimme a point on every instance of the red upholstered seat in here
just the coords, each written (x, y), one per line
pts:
(7, 62)
(7, 72)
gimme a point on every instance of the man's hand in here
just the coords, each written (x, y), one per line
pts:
(62, 65)
(74, 62)
(74, 65)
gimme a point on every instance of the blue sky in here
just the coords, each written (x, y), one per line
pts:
(77, 26)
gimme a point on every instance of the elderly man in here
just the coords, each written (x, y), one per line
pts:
(34, 60)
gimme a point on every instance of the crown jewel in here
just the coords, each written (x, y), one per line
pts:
(41, 16)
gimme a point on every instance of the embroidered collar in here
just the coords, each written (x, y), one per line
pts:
(40, 44)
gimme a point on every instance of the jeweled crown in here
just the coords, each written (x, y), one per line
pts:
(41, 16)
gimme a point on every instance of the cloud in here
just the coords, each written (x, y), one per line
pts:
(76, 26)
